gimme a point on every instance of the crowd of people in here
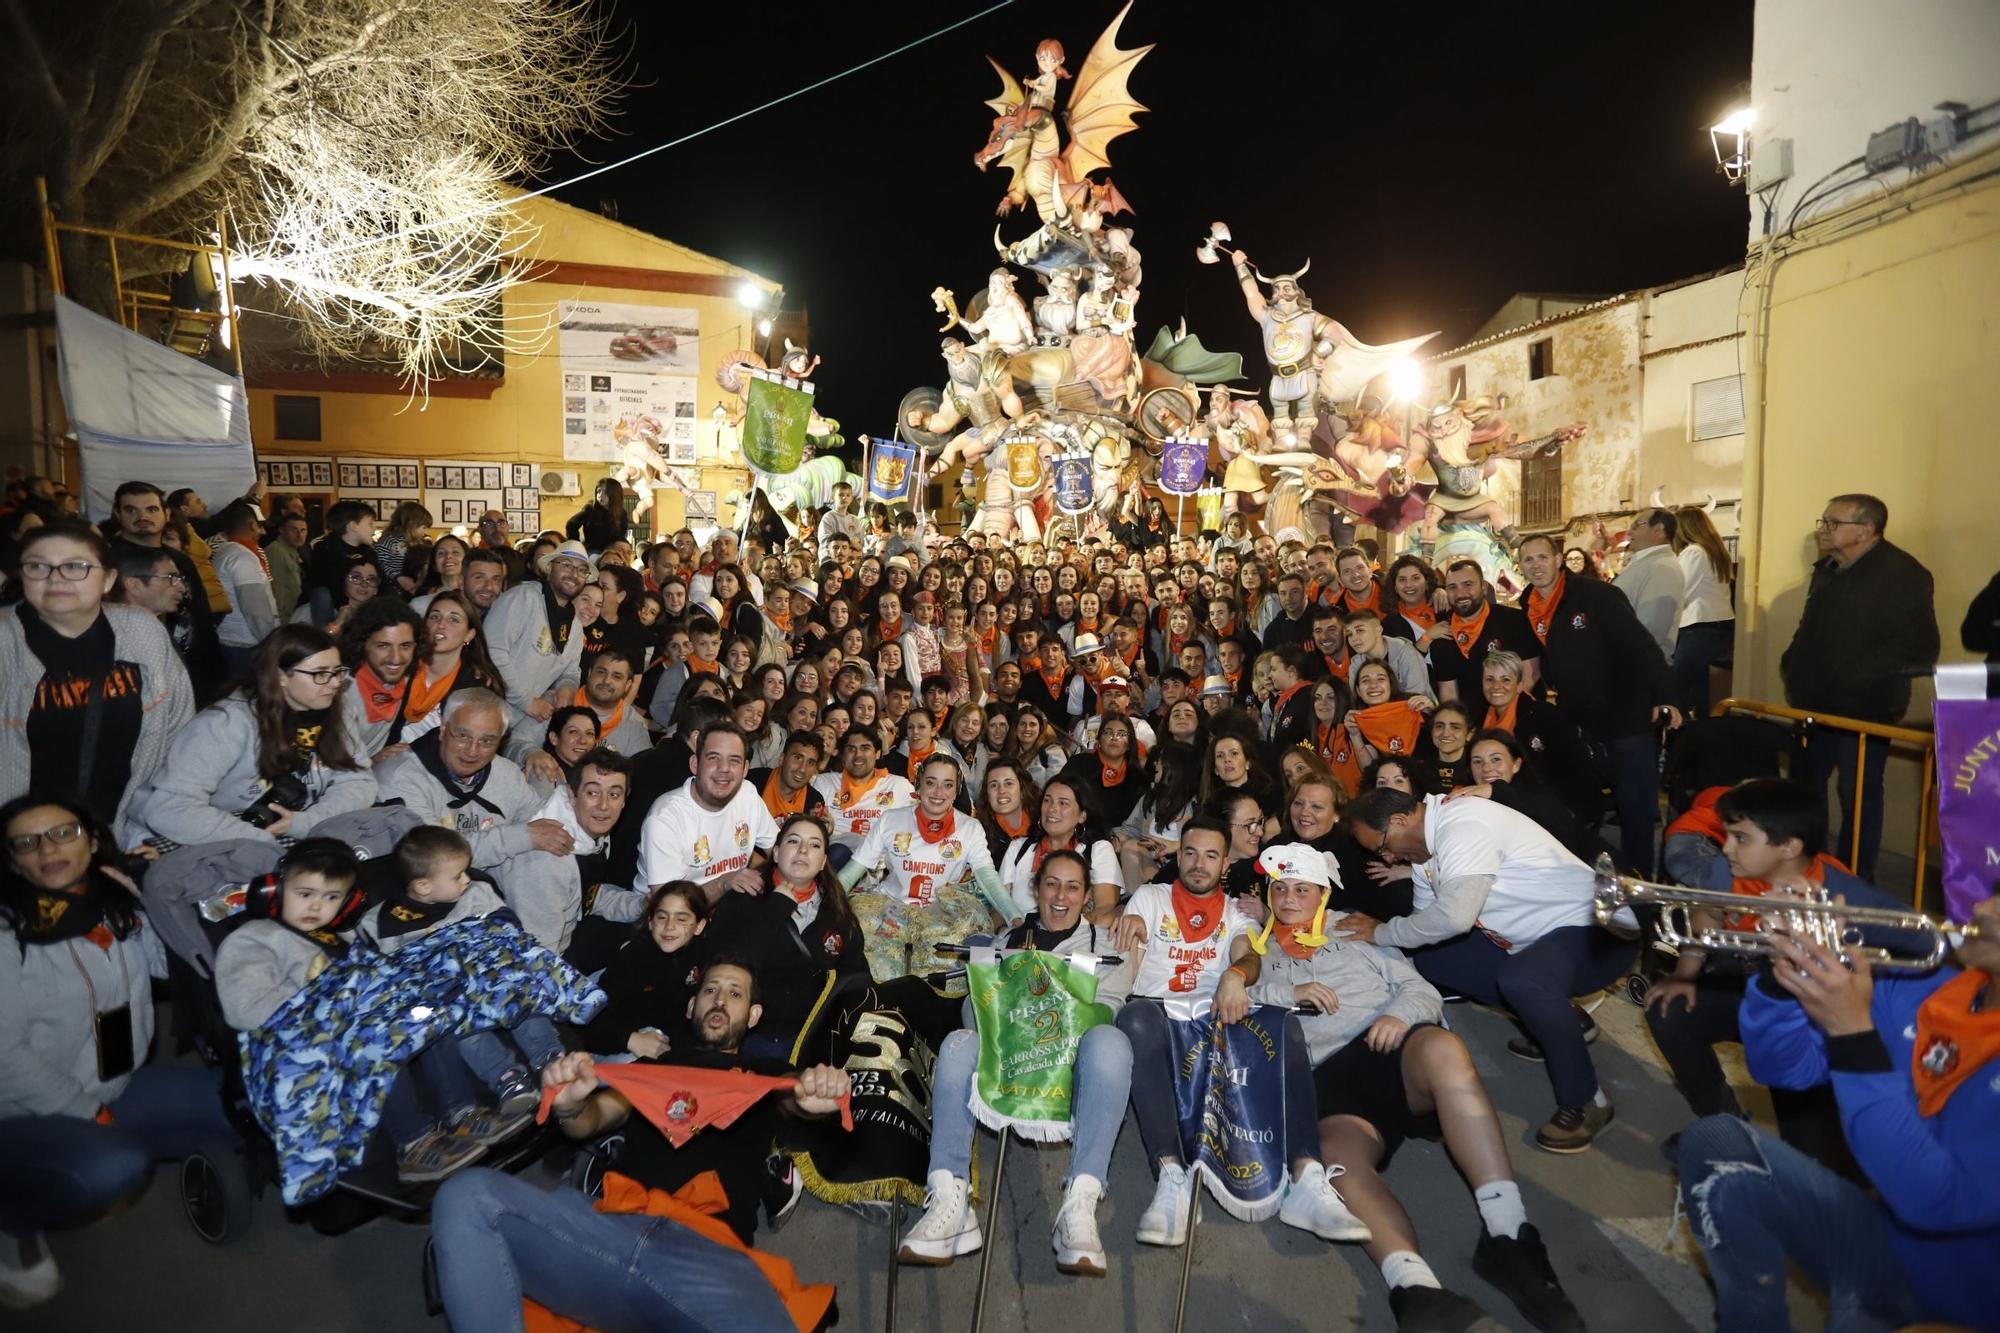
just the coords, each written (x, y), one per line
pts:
(711, 773)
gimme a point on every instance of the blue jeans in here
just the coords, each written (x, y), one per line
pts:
(491, 1059)
(1695, 860)
(1829, 752)
(1635, 795)
(61, 1170)
(1144, 1023)
(1536, 984)
(1100, 1082)
(498, 1238)
(1755, 1203)
(1698, 648)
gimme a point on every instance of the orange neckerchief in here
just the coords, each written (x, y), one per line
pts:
(256, 550)
(378, 701)
(1372, 602)
(1503, 721)
(1199, 915)
(1287, 940)
(1466, 632)
(884, 631)
(605, 725)
(1392, 727)
(1285, 695)
(1113, 773)
(1250, 605)
(1541, 609)
(1091, 675)
(1017, 827)
(1043, 848)
(779, 804)
(1421, 614)
(1337, 669)
(852, 791)
(917, 757)
(783, 622)
(1086, 626)
(1337, 749)
(935, 831)
(988, 641)
(427, 693)
(1129, 656)
(1176, 642)
(1953, 1042)
(701, 667)
(1757, 888)
(698, 1205)
(1055, 683)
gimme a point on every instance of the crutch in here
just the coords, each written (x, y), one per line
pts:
(992, 1220)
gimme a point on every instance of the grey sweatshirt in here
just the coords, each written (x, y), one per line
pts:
(1369, 982)
(168, 701)
(48, 1043)
(477, 900)
(494, 838)
(211, 777)
(261, 965)
(523, 650)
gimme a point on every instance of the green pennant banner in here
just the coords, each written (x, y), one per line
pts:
(774, 426)
(1031, 1010)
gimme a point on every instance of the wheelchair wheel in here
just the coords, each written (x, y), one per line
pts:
(215, 1195)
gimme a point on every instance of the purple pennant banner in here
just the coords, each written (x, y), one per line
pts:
(1183, 465)
(1968, 759)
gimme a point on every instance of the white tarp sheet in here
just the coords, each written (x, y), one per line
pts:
(144, 412)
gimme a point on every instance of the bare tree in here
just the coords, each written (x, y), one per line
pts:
(365, 150)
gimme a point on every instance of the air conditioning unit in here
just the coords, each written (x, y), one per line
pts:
(555, 482)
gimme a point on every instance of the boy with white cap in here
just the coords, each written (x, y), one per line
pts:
(1383, 1070)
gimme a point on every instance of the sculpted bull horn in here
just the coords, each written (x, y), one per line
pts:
(999, 245)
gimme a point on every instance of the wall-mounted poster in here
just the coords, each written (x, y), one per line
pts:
(458, 491)
(451, 511)
(295, 474)
(374, 479)
(628, 377)
(523, 474)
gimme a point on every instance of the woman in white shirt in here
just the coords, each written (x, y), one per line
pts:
(1708, 622)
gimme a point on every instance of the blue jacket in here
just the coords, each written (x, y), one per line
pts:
(1939, 1177)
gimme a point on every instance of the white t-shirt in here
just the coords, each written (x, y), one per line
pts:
(1017, 870)
(1538, 886)
(237, 568)
(1171, 969)
(917, 869)
(682, 840)
(851, 822)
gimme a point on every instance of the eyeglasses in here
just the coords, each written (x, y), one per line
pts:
(360, 576)
(1824, 525)
(68, 571)
(60, 835)
(323, 675)
(164, 578)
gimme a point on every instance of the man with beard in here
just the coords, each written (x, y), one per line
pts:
(494, 537)
(1049, 687)
(859, 793)
(455, 776)
(149, 579)
(786, 788)
(1478, 625)
(500, 1238)
(1610, 679)
(532, 634)
(379, 645)
(138, 517)
(712, 830)
(1293, 623)
(556, 894)
(1182, 933)
(620, 726)
(1007, 682)
(1327, 657)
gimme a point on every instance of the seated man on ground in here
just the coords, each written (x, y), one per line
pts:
(500, 1239)
(1384, 1069)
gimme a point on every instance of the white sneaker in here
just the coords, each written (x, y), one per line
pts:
(1165, 1220)
(1078, 1247)
(1313, 1204)
(949, 1226)
(28, 1273)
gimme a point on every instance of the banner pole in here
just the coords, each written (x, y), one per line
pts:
(986, 1250)
(895, 1264)
(862, 501)
(1187, 1246)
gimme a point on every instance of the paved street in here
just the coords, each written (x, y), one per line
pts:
(1606, 1213)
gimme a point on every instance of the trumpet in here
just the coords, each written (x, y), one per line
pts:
(1834, 926)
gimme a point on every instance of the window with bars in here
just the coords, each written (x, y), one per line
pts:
(1542, 492)
(1715, 408)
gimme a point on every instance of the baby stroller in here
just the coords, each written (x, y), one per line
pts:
(195, 897)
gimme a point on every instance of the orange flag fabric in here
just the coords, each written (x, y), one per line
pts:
(681, 1099)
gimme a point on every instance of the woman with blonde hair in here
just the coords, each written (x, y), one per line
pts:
(1708, 621)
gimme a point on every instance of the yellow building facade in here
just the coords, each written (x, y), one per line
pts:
(579, 256)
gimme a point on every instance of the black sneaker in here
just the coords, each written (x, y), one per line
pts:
(1528, 1048)
(783, 1188)
(1519, 1268)
(1433, 1310)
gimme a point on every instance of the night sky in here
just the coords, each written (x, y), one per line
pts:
(1431, 160)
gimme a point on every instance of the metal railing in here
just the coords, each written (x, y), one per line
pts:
(1803, 719)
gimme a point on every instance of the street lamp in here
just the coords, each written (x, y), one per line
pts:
(1406, 380)
(750, 296)
(1730, 138)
